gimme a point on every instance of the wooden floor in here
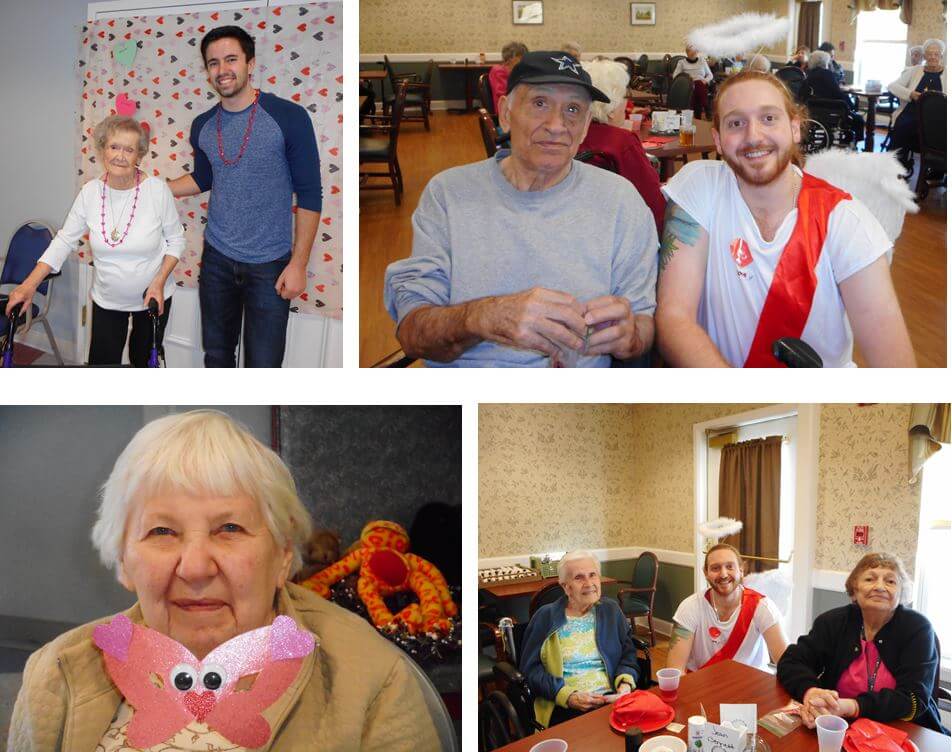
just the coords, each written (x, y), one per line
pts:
(919, 262)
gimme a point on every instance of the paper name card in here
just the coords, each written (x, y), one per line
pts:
(735, 715)
(720, 738)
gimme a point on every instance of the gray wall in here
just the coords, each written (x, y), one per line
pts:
(39, 47)
(354, 464)
(52, 462)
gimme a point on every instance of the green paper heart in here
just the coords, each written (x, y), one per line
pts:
(125, 52)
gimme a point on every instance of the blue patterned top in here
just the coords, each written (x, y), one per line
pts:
(582, 666)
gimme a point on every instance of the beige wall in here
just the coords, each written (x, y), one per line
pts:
(555, 477)
(863, 481)
(419, 26)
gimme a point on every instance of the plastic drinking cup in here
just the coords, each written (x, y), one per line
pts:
(830, 730)
(668, 681)
(550, 745)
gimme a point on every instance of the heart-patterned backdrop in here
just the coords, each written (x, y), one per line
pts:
(151, 66)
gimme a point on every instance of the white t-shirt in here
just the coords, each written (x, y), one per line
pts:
(734, 291)
(698, 615)
(123, 273)
(698, 70)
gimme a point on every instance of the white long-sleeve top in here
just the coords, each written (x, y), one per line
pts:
(123, 273)
(698, 70)
(907, 82)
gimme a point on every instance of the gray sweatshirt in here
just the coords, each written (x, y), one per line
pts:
(475, 235)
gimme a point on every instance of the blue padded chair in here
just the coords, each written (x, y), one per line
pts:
(638, 600)
(26, 246)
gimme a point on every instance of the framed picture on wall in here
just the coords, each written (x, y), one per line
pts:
(642, 14)
(527, 11)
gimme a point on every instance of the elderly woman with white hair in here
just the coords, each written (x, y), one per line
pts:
(136, 239)
(607, 134)
(912, 83)
(203, 524)
(697, 68)
(874, 658)
(577, 653)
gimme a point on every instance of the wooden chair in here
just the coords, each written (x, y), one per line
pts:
(486, 96)
(931, 118)
(487, 129)
(638, 600)
(378, 145)
(679, 93)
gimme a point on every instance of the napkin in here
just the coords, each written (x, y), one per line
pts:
(865, 735)
(640, 709)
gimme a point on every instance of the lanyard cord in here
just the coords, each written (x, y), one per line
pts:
(870, 679)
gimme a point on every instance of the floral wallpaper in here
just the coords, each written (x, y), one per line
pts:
(863, 481)
(600, 475)
(607, 476)
(404, 26)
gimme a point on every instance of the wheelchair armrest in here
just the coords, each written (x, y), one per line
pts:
(505, 671)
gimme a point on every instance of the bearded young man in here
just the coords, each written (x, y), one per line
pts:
(727, 621)
(754, 249)
(252, 150)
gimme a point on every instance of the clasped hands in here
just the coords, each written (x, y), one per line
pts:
(585, 701)
(817, 702)
(549, 321)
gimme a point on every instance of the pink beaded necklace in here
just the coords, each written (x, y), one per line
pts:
(244, 141)
(116, 240)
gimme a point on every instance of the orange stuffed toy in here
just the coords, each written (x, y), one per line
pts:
(386, 568)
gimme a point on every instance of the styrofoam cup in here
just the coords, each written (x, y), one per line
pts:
(669, 679)
(830, 731)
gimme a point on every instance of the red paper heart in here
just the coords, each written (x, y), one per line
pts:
(319, 288)
(199, 705)
(333, 150)
(328, 257)
(714, 632)
(303, 296)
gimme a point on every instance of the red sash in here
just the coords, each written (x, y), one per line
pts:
(791, 292)
(749, 599)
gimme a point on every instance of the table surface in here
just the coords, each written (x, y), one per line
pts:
(373, 75)
(703, 141)
(512, 589)
(726, 682)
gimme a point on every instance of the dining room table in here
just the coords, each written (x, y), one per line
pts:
(672, 149)
(642, 98)
(374, 75)
(468, 69)
(872, 99)
(724, 682)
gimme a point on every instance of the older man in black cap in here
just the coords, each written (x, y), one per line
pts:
(530, 258)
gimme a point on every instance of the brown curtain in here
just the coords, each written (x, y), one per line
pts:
(862, 5)
(808, 30)
(749, 491)
(928, 431)
(905, 12)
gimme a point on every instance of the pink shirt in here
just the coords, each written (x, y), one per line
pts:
(498, 81)
(855, 680)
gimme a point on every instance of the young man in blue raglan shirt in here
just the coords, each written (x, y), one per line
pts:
(252, 150)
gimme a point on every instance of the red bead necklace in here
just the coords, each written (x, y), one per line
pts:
(116, 241)
(244, 141)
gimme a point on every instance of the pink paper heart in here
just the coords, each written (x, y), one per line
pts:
(125, 106)
(287, 641)
(114, 637)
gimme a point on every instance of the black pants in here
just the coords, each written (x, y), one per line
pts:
(109, 335)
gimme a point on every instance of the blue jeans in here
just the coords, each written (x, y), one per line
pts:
(226, 290)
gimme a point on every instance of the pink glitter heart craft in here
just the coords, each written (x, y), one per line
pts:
(169, 688)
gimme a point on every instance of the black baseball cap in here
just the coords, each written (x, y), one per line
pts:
(552, 68)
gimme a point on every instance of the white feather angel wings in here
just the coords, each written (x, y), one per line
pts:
(739, 34)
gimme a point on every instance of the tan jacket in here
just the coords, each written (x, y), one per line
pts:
(354, 692)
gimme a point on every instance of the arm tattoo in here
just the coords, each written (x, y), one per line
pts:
(679, 633)
(679, 226)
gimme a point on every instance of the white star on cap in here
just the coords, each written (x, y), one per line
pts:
(566, 62)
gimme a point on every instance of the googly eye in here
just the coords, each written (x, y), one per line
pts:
(213, 677)
(183, 677)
